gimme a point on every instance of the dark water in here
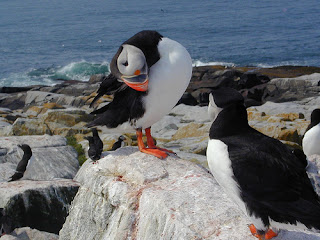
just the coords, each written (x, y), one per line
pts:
(41, 41)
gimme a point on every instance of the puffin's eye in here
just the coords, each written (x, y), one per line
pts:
(125, 63)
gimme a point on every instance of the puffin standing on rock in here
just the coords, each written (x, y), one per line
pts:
(149, 74)
(260, 174)
(311, 139)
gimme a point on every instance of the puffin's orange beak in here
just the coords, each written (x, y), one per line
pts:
(138, 82)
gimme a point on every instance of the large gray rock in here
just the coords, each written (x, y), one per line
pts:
(38, 204)
(293, 89)
(27, 233)
(39, 98)
(52, 157)
(131, 195)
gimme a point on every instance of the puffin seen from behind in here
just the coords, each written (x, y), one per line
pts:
(260, 174)
(95, 145)
(311, 138)
(149, 74)
(23, 163)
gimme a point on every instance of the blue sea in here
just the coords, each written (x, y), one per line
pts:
(42, 42)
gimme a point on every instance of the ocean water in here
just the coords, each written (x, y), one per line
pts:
(42, 42)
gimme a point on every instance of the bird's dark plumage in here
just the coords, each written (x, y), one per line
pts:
(315, 119)
(272, 179)
(108, 86)
(1, 221)
(118, 143)
(126, 106)
(22, 165)
(95, 145)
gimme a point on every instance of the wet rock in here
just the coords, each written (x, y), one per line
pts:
(188, 99)
(97, 78)
(38, 204)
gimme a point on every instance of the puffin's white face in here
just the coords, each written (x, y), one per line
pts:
(133, 67)
(213, 109)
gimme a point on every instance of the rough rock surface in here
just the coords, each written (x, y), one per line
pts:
(131, 195)
(38, 204)
(293, 89)
(27, 233)
(52, 158)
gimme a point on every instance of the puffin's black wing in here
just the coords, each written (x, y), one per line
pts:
(273, 182)
(109, 86)
(126, 106)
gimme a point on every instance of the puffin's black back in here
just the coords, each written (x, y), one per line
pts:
(272, 180)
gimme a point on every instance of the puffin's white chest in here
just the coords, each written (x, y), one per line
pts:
(311, 141)
(168, 79)
(220, 166)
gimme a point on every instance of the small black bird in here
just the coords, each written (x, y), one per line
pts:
(119, 143)
(22, 165)
(95, 145)
(1, 222)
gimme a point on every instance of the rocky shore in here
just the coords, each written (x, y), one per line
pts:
(279, 100)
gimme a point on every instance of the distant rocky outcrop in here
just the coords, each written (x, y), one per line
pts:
(258, 85)
(132, 195)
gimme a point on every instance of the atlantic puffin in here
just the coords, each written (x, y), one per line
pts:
(260, 174)
(95, 145)
(149, 74)
(311, 138)
(23, 163)
(119, 143)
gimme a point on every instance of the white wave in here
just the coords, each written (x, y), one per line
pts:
(283, 63)
(199, 63)
(82, 70)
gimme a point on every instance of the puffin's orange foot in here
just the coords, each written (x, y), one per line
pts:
(268, 235)
(163, 150)
(155, 152)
